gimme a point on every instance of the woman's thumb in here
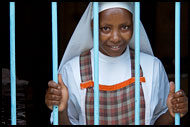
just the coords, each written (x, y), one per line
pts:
(172, 87)
(60, 80)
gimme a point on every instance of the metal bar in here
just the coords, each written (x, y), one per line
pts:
(12, 63)
(177, 55)
(54, 55)
(137, 63)
(96, 63)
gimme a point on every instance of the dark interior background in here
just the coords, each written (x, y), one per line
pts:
(34, 53)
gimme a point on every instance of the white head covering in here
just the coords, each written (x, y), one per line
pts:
(82, 40)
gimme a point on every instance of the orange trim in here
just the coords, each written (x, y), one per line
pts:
(90, 83)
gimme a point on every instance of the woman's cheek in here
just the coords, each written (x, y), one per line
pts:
(127, 36)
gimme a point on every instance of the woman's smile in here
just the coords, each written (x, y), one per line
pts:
(115, 47)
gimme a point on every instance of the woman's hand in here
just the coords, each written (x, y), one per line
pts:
(57, 94)
(177, 102)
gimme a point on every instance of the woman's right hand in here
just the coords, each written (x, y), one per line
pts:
(57, 94)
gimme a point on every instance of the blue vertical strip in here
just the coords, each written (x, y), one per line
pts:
(12, 63)
(96, 63)
(177, 54)
(54, 55)
(137, 63)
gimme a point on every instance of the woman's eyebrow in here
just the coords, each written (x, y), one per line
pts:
(105, 24)
(126, 23)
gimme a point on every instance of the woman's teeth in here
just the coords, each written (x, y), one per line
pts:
(114, 47)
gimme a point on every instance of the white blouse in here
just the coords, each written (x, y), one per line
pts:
(113, 70)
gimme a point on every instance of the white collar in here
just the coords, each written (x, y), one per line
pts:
(108, 59)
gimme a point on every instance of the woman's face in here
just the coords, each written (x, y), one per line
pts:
(115, 32)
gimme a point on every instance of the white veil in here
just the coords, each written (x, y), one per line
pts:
(82, 40)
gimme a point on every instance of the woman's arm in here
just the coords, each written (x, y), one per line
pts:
(165, 119)
(63, 118)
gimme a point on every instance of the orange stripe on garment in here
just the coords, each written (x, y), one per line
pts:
(90, 83)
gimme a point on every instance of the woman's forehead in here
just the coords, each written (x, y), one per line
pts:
(115, 13)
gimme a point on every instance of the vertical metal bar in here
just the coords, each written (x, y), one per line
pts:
(177, 54)
(12, 63)
(137, 63)
(96, 63)
(54, 55)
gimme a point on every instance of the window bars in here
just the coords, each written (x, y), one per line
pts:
(54, 55)
(12, 63)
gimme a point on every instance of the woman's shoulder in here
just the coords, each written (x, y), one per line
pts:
(75, 60)
(151, 61)
(148, 57)
(72, 62)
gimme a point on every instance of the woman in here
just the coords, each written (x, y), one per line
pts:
(74, 92)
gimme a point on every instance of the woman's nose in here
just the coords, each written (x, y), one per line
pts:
(115, 37)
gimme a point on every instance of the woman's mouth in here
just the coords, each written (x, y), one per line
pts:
(115, 48)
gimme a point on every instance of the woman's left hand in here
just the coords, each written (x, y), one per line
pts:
(177, 102)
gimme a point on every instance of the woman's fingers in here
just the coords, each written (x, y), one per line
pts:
(183, 111)
(180, 103)
(54, 91)
(53, 97)
(53, 94)
(179, 106)
(52, 84)
(52, 100)
(180, 93)
(51, 103)
(54, 88)
(179, 100)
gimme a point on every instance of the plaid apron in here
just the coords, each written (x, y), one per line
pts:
(116, 107)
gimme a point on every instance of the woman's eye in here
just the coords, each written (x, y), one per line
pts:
(105, 28)
(125, 27)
